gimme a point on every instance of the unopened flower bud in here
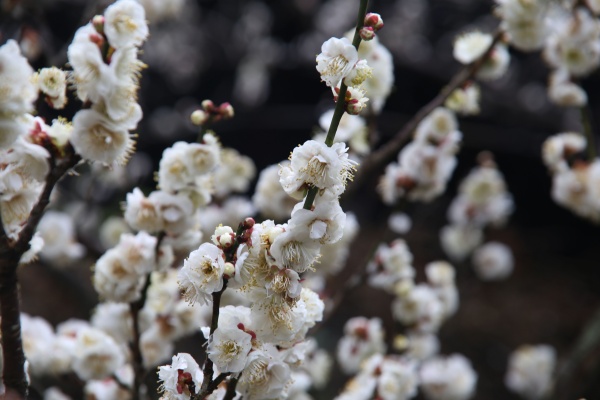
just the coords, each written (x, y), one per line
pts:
(367, 33)
(97, 39)
(374, 20)
(208, 105)
(229, 270)
(354, 107)
(248, 223)
(226, 240)
(226, 110)
(98, 22)
(199, 117)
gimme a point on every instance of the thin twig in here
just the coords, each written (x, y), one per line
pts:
(384, 154)
(135, 308)
(586, 122)
(212, 386)
(583, 359)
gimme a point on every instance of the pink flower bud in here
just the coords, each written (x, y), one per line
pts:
(354, 107)
(367, 33)
(249, 223)
(226, 110)
(208, 106)
(374, 21)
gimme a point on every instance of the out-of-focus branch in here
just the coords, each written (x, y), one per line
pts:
(586, 122)
(134, 309)
(582, 364)
(383, 155)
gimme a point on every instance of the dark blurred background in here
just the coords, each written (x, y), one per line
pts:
(259, 55)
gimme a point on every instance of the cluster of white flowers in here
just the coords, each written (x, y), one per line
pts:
(399, 378)
(483, 200)
(525, 22)
(76, 347)
(425, 165)
(530, 371)
(386, 378)
(105, 73)
(573, 50)
(339, 61)
(568, 33)
(574, 182)
(23, 139)
(471, 46)
(362, 339)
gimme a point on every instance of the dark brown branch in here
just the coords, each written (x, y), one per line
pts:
(208, 366)
(211, 387)
(582, 365)
(135, 308)
(230, 394)
(383, 155)
(10, 255)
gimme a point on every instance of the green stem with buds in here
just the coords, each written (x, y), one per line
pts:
(339, 110)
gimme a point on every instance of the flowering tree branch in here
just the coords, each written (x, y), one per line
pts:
(10, 255)
(340, 105)
(383, 155)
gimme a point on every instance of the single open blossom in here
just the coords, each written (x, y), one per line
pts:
(125, 24)
(448, 378)
(530, 370)
(97, 355)
(265, 374)
(316, 164)
(338, 57)
(362, 338)
(180, 377)
(202, 273)
(229, 347)
(470, 46)
(98, 138)
(493, 261)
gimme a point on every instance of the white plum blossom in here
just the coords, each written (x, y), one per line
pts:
(448, 378)
(317, 165)
(525, 22)
(265, 374)
(228, 348)
(202, 273)
(60, 245)
(420, 308)
(125, 24)
(269, 198)
(338, 57)
(177, 378)
(97, 355)
(493, 261)
(53, 83)
(362, 338)
(530, 370)
(470, 46)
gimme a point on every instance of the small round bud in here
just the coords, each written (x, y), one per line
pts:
(248, 223)
(226, 240)
(97, 39)
(229, 270)
(367, 33)
(354, 107)
(98, 22)
(199, 117)
(208, 105)
(374, 20)
(226, 110)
